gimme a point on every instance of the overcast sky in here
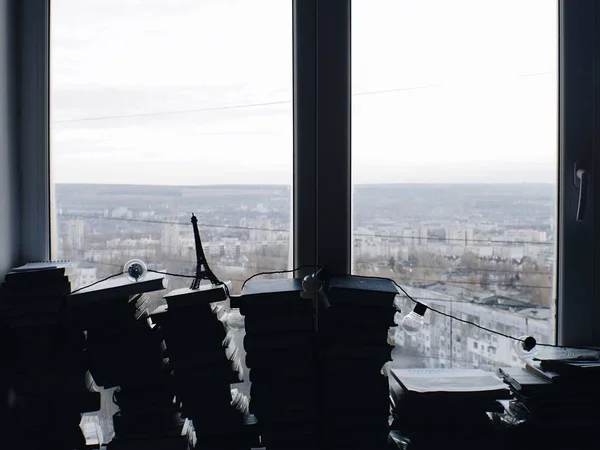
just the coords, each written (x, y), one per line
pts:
(469, 91)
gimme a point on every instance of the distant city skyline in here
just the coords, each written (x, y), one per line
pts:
(191, 92)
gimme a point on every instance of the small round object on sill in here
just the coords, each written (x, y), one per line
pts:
(135, 269)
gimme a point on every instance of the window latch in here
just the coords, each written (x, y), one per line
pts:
(581, 181)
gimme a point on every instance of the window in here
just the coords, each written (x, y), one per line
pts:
(454, 157)
(165, 109)
(416, 72)
(475, 344)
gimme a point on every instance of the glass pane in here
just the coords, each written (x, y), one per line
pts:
(454, 125)
(161, 109)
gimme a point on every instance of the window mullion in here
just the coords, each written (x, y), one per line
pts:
(322, 172)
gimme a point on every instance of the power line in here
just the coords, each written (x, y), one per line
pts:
(281, 230)
(168, 222)
(166, 113)
(258, 104)
(223, 108)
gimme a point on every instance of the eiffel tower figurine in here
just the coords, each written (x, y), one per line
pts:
(203, 271)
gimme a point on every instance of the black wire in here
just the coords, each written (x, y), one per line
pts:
(225, 287)
(96, 282)
(457, 318)
(180, 275)
(274, 272)
(468, 322)
(149, 270)
(441, 312)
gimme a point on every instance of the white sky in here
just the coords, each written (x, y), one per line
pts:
(473, 91)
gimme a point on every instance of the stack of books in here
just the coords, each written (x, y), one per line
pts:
(354, 323)
(124, 351)
(48, 371)
(203, 357)
(557, 389)
(431, 407)
(281, 355)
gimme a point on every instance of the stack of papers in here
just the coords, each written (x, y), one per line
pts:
(353, 345)
(452, 402)
(125, 352)
(203, 356)
(45, 365)
(280, 349)
(557, 387)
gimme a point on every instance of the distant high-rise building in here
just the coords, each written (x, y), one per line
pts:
(75, 234)
(121, 212)
(525, 236)
(415, 236)
(459, 236)
(169, 238)
(261, 230)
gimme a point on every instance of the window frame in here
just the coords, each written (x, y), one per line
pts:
(578, 313)
(33, 41)
(322, 186)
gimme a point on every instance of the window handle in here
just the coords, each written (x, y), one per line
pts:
(581, 181)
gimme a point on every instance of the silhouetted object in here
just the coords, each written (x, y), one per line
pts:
(45, 365)
(124, 351)
(281, 354)
(203, 358)
(353, 347)
(203, 271)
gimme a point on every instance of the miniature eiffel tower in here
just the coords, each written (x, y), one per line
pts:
(203, 271)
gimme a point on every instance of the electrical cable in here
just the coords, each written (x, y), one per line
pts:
(468, 322)
(274, 272)
(402, 290)
(96, 282)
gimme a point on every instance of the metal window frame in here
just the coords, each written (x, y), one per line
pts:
(33, 18)
(322, 157)
(322, 153)
(578, 248)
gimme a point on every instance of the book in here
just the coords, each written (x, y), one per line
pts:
(42, 265)
(41, 288)
(119, 287)
(282, 342)
(544, 353)
(522, 380)
(185, 297)
(25, 277)
(448, 380)
(352, 317)
(279, 323)
(280, 296)
(360, 291)
(380, 353)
